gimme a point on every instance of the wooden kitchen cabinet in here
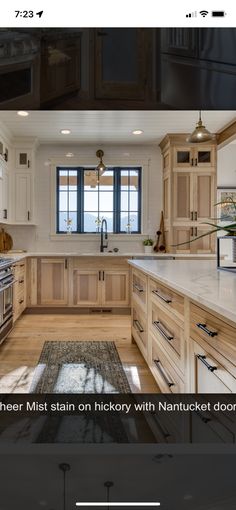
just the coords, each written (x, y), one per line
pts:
(194, 196)
(208, 374)
(189, 193)
(185, 234)
(115, 288)
(194, 157)
(86, 288)
(52, 282)
(101, 288)
(19, 289)
(60, 67)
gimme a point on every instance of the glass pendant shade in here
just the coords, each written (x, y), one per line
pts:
(101, 167)
(200, 133)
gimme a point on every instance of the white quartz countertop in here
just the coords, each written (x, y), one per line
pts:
(197, 279)
(22, 255)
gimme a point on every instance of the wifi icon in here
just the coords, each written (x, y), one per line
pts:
(204, 13)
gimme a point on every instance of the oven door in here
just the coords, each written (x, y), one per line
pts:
(19, 85)
(7, 302)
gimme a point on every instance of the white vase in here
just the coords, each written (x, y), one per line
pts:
(148, 249)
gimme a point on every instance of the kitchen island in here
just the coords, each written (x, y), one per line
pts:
(184, 322)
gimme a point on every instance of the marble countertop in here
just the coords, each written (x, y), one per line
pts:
(141, 255)
(197, 279)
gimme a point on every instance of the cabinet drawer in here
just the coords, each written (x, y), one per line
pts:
(217, 333)
(208, 374)
(168, 298)
(139, 329)
(169, 334)
(164, 372)
(139, 288)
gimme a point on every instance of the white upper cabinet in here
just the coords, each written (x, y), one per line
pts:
(23, 159)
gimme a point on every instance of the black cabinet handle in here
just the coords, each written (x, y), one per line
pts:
(160, 328)
(28, 215)
(191, 215)
(5, 214)
(167, 300)
(195, 232)
(21, 281)
(195, 215)
(192, 162)
(21, 301)
(138, 326)
(66, 263)
(103, 276)
(195, 161)
(206, 330)
(160, 369)
(139, 289)
(205, 362)
(28, 164)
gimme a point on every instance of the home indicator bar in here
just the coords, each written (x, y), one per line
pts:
(106, 504)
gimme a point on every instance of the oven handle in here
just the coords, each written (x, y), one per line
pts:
(7, 286)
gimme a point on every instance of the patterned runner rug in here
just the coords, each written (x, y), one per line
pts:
(79, 367)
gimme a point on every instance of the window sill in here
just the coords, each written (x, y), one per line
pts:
(96, 237)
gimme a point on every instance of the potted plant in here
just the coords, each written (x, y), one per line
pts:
(229, 229)
(148, 244)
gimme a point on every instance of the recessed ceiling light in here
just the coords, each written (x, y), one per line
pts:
(69, 155)
(65, 131)
(22, 113)
(137, 132)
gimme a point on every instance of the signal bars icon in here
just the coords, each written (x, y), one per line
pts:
(191, 14)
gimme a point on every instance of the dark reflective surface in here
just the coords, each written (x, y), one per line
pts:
(119, 68)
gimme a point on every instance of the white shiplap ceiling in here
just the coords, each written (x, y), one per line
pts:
(115, 127)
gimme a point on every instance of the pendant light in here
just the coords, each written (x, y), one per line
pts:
(108, 486)
(101, 167)
(200, 133)
(64, 468)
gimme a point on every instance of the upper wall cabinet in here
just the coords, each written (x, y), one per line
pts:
(192, 157)
(23, 159)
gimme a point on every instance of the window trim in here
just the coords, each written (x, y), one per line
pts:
(116, 204)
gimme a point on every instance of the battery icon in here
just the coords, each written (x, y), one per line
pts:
(218, 14)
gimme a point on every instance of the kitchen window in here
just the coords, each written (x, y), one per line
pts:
(83, 200)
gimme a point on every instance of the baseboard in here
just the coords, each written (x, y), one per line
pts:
(77, 311)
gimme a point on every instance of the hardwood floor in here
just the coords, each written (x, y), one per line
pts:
(19, 354)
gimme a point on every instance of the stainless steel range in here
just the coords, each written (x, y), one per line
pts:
(6, 297)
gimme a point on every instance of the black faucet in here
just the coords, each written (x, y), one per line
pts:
(103, 235)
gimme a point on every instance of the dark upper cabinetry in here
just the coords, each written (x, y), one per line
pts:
(180, 41)
(122, 63)
(198, 68)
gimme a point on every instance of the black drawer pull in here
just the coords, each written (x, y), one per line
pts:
(204, 361)
(158, 365)
(140, 289)
(21, 301)
(162, 331)
(138, 326)
(206, 330)
(167, 300)
(20, 281)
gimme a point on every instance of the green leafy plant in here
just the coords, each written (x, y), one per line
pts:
(148, 242)
(230, 229)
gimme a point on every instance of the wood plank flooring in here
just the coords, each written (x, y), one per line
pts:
(19, 354)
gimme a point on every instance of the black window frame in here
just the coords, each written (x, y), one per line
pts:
(116, 202)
